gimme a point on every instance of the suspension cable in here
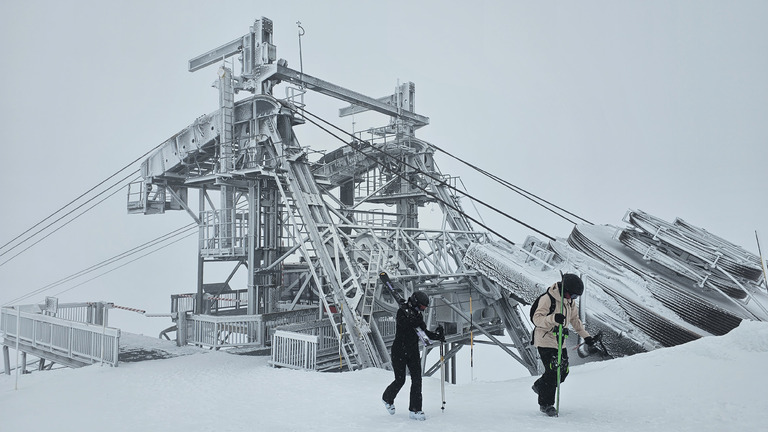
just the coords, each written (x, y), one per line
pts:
(431, 194)
(505, 183)
(119, 182)
(84, 194)
(125, 264)
(112, 260)
(63, 225)
(439, 181)
(183, 230)
(528, 195)
(116, 258)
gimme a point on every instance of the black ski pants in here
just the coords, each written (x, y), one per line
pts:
(547, 383)
(402, 358)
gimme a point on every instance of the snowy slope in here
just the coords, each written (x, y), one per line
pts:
(711, 384)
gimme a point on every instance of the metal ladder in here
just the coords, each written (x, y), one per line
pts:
(308, 213)
(227, 111)
(371, 283)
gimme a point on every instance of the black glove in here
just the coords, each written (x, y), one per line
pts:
(589, 340)
(440, 332)
(559, 318)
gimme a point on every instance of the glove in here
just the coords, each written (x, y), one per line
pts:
(589, 340)
(559, 318)
(440, 332)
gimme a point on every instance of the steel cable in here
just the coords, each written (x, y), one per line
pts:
(437, 180)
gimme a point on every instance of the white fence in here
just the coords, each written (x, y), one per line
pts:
(89, 313)
(239, 330)
(294, 350)
(298, 346)
(224, 331)
(81, 342)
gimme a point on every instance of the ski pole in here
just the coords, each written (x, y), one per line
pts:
(560, 343)
(598, 337)
(442, 374)
(471, 340)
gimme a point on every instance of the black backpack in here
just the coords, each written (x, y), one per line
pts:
(535, 304)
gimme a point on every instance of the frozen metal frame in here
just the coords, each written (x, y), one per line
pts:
(276, 208)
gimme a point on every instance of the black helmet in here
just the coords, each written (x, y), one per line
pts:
(419, 300)
(573, 284)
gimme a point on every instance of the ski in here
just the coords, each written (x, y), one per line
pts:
(403, 304)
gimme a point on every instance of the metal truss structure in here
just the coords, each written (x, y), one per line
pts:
(313, 235)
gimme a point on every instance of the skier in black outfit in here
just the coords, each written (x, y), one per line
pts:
(405, 352)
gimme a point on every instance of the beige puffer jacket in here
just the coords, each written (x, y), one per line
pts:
(543, 334)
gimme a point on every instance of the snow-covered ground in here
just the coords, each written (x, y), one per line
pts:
(712, 384)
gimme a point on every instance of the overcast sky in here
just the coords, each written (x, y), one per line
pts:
(597, 106)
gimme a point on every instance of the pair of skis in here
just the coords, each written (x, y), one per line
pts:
(422, 336)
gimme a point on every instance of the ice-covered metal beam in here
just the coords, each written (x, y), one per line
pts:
(216, 55)
(315, 84)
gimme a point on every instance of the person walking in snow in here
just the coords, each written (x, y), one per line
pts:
(547, 319)
(405, 352)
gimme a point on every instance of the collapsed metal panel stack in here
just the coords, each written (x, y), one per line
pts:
(704, 284)
(658, 326)
(693, 253)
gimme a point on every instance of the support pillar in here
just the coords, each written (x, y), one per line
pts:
(254, 202)
(6, 360)
(198, 309)
(181, 329)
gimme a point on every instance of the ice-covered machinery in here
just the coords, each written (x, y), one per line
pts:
(313, 235)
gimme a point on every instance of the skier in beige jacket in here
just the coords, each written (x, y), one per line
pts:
(547, 318)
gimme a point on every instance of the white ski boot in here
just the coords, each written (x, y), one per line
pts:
(417, 415)
(390, 407)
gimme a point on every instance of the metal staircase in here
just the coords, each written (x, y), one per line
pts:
(334, 272)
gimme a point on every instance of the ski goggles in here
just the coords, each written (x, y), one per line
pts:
(571, 296)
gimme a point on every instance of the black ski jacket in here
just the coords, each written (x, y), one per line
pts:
(408, 320)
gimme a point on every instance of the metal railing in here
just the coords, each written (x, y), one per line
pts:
(232, 303)
(322, 329)
(80, 342)
(223, 232)
(298, 346)
(181, 303)
(147, 198)
(224, 331)
(89, 313)
(229, 302)
(242, 330)
(294, 350)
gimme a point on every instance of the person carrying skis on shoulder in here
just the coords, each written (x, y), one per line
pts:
(405, 352)
(547, 319)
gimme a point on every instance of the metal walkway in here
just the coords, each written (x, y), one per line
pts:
(73, 335)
